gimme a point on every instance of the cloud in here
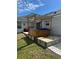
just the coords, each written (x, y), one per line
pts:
(27, 6)
(33, 6)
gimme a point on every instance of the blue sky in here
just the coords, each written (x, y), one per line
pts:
(40, 7)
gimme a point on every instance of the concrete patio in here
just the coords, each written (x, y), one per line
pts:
(56, 48)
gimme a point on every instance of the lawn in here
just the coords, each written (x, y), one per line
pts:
(27, 49)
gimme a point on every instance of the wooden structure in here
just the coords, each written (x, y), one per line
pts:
(39, 33)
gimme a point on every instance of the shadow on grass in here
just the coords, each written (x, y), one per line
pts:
(28, 42)
(21, 47)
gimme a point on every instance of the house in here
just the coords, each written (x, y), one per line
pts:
(46, 29)
(22, 23)
(50, 21)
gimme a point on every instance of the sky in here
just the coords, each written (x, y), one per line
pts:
(40, 7)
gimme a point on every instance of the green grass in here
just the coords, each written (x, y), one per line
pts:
(27, 49)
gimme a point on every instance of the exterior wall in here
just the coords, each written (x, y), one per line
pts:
(44, 24)
(23, 24)
(56, 25)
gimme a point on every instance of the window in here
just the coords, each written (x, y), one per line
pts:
(19, 24)
(38, 25)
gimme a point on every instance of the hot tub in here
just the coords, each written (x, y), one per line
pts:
(39, 32)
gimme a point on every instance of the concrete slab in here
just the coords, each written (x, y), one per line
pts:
(56, 48)
(26, 33)
(45, 39)
(54, 37)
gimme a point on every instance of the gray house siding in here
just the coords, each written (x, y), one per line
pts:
(56, 25)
